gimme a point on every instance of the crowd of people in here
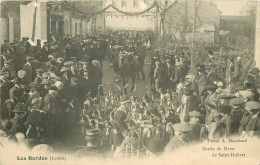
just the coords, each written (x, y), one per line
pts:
(48, 90)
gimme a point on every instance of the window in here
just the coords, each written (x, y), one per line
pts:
(80, 29)
(123, 4)
(76, 28)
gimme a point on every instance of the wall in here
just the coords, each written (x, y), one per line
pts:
(3, 30)
(26, 20)
(257, 37)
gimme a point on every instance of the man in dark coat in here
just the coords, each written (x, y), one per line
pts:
(198, 129)
(250, 122)
(16, 92)
(119, 123)
(17, 121)
(44, 52)
(181, 137)
(97, 76)
(52, 112)
(5, 87)
(28, 69)
(170, 74)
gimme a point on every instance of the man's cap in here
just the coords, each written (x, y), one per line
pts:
(245, 94)
(32, 84)
(39, 70)
(74, 79)
(63, 69)
(59, 60)
(73, 58)
(195, 114)
(220, 84)
(182, 127)
(225, 96)
(236, 101)
(95, 62)
(50, 56)
(252, 105)
(68, 63)
(9, 101)
(29, 58)
(211, 87)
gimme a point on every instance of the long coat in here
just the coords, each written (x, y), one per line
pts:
(188, 103)
(29, 72)
(17, 126)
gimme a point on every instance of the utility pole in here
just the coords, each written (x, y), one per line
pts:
(34, 20)
(70, 19)
(257, 36)
(193, 37)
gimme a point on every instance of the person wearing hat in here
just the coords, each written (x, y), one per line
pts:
(65, 76)
(198, 129)
(16, 92)
(38, 78)
(96, 79)
(250, 122)
(170, 74)
(33, 94)
(35, 119)
(5, 86)
(74, 94)
(237, 112)
(27, 67)
(4, 46)
(44, 52)
(8, 67)
(189, 102)
(181, 137)
(159, 76)
(211, 99)
(52, 111)
(119, 118)
(227, 120)
(17, 121)
(6, 110)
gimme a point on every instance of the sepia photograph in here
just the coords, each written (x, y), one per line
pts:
(131, 82)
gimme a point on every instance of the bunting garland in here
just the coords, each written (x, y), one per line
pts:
(115, 8)
(155, 4)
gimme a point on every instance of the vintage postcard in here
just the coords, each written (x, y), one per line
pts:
(158, 82)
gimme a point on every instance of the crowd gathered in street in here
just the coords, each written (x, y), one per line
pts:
(49, 88)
